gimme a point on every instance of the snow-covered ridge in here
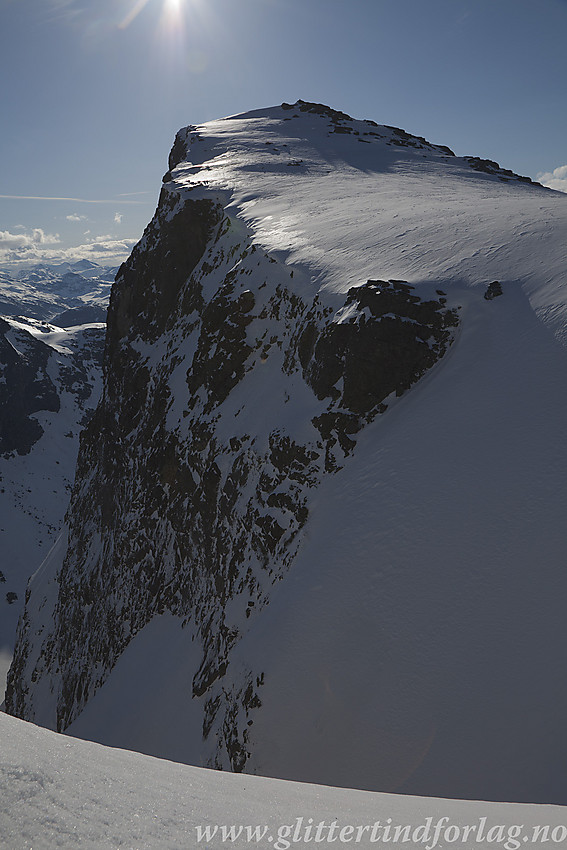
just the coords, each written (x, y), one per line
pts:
(348, 200)
(317, 467)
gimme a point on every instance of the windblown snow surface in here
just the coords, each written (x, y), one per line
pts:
(419, 642)
(58, 792)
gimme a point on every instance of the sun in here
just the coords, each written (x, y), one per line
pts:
(171, 8)
(177, 30)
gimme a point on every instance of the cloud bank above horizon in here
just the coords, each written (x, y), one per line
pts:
(556, 179)
(35, 246)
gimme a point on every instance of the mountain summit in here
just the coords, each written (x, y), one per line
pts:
(317, 526)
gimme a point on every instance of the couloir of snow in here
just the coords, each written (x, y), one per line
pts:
(419, 641)
(59, 792)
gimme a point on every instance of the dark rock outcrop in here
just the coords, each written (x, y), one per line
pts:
(493, 290)
(488, 166)
(26, 389)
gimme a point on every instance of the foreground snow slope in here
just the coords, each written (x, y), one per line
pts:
(58, 792)
(367, 591)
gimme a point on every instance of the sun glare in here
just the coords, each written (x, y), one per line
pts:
(171, 8)
(179, 31)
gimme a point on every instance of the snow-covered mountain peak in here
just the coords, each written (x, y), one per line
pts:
(345, 201)
(314, 508)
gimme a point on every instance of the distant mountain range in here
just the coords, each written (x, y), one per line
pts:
(47, 291)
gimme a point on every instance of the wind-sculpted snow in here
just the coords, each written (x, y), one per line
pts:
(306, 280)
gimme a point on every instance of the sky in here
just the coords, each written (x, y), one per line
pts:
(94, 91)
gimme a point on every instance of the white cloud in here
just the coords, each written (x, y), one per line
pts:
(12, 240)
(75, 217)
(102, 246)
(556, 179)
(117, 217)
(74, 200)
(28, 248)
(22, 245)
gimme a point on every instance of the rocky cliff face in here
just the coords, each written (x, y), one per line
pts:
(26, 389)
(228, 395)
(302, 273)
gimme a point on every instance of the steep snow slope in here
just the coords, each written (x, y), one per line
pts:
(443, 579)
(57, 792)
(318, 517)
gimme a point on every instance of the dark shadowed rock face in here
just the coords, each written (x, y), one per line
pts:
(79, 316)
(26, 389)
(493, 290)
(190, 494)
(488, 166)
(33, 374)
(385, 340)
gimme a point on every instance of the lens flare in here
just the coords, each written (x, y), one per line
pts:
(132, 14)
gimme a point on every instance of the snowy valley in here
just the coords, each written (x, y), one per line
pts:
(52, 329)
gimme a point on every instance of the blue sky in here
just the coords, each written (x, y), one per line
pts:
(94, 91)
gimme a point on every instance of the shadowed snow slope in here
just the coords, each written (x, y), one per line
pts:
(318, 526)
